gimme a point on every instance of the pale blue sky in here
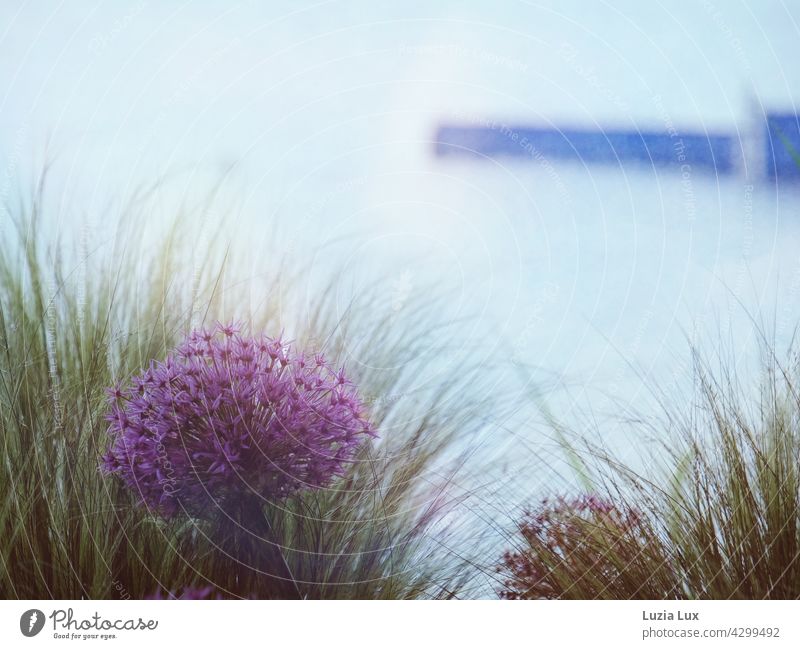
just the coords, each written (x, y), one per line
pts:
(195, 80)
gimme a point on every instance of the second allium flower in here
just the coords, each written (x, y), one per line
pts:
(226, 418)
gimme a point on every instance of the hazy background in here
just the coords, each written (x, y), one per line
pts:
(320, 117)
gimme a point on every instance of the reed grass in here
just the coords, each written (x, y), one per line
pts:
(717, 513)
(73, 321)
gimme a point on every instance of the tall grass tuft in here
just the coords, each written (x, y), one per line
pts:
(75, 321)
(717, 515)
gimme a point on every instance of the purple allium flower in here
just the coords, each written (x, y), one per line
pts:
(569, 537)
(227, 418)
(188, 592)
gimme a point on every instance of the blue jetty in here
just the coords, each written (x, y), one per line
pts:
(782, 146)
(776, 147)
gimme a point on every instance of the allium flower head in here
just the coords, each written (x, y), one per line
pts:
(226, 417)
(188, 592)
(572, 537)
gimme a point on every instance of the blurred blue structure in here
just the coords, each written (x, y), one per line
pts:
(714, 153)
(782, 143)
(698, 150)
